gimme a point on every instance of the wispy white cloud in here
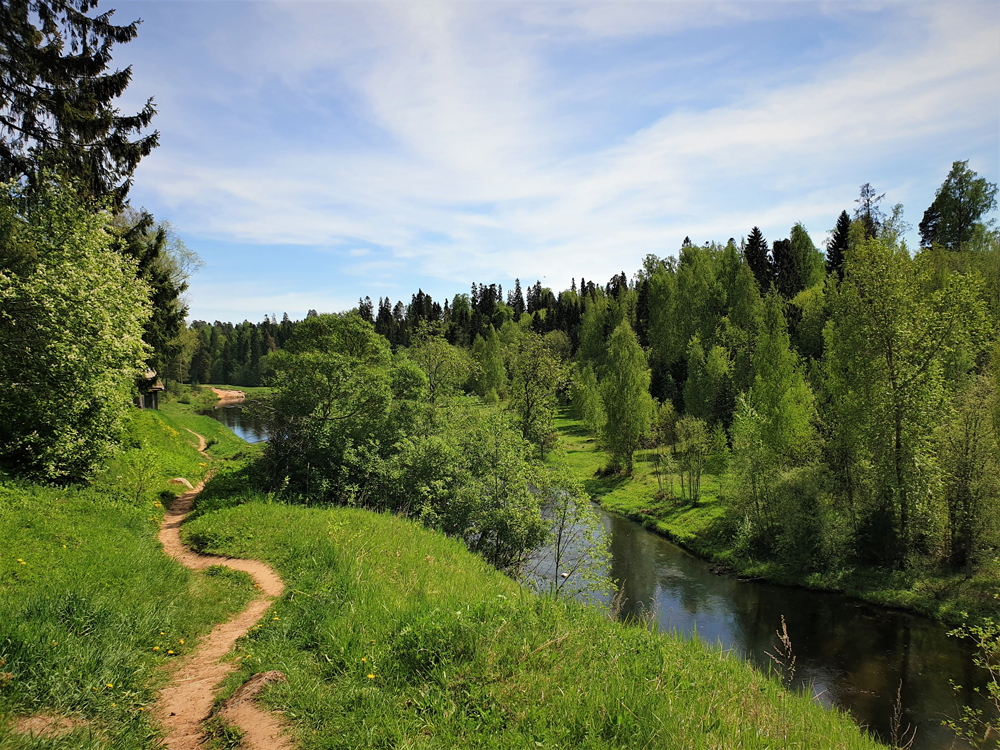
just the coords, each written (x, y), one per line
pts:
(460, 140)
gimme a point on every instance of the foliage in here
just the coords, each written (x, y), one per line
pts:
(971, 726)
(625, 395)
(888, 344)
(71, 348)
(953, 219)
(693, 447)
(535, 374)
(586, 395)
(57, 98)
(446, 367)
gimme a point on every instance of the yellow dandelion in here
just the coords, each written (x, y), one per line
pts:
(170, 653)
(113, 705)
(364, 658)
(110, 685)
(162, 633)
(371, 676)
(156, 648)
(275, 618)
(182, 641)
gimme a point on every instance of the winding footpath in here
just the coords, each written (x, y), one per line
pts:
(187, 701)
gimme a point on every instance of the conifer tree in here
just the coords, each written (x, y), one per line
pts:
(756, 256)
(57, 98)
(837, 246)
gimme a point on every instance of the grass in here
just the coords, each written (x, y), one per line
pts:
(395, 636)
(705, 530)
(89, 605)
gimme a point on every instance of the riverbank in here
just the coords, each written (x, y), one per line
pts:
(389, 634)
(394, 635)
(706, 531)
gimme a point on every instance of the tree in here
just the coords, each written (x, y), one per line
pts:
(492, 376)
(755, 253)
(625, 393)
(164, 263)
(535, 374)
(57, 97)
(578, 550)
(888, 342)
(970, 454)
(70, 335)
(787, 279)
(693, 446)
(587, 400)
(445, 366)
(868, 212)
(958, 207)
(837, 245)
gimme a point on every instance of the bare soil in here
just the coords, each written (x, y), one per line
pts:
(187, 701)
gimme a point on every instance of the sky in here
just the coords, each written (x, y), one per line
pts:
(313, 153)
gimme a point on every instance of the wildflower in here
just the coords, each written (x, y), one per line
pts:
(162, 633)
(364, 658)
(156, 504)
(182, 641)
(170, 653)
(371, 676)
(110, 685)
(276, 618)
(156, 648)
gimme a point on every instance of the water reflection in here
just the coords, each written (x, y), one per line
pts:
(233, 417)
(848, 653)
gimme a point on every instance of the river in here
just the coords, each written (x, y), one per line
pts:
(232, 416)
(848, 653)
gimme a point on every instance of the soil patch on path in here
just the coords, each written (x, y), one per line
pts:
(187, 701)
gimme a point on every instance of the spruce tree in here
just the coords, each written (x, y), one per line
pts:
(756, 257)
(57, 98)
(837, 246)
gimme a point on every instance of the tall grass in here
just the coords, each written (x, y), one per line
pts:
(394, 636)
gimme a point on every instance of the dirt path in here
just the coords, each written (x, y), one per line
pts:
(188, 699)
(229, 395)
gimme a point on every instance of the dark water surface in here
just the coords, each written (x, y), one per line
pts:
(232, 416)
(848, 653)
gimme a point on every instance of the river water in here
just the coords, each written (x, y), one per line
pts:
(848, 653)
(233, 417)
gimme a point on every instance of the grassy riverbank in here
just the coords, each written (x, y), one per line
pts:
(706, 530)
(394, 636)
(90, 608)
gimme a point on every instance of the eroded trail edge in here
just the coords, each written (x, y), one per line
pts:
(187, 701)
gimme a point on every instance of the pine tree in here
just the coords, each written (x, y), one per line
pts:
(756, 257)
(837, 246)
(57, 98)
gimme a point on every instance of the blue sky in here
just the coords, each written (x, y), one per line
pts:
(315, 152)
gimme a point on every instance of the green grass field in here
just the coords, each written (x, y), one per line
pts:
(394, 636)
(90, 607)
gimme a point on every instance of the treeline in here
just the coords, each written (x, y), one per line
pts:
(850, 396)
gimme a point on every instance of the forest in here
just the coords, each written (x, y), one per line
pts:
(849, 395)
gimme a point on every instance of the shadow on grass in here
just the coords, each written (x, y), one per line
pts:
(598, 487)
